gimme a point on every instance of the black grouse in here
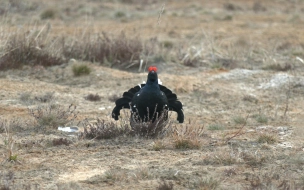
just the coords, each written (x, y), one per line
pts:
(149, 100)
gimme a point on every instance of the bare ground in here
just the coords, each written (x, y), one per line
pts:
(246, 98)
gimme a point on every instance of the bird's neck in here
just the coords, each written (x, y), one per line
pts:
(152, 83)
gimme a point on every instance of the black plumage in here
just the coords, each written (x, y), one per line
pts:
(149, 100)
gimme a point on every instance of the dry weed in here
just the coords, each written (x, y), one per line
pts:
(187, 136)
(53, 115)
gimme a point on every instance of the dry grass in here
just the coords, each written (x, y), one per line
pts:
(101, 129)
(31, 49)
(187, 136)
(239, 34)
(53, 115)
(93, 97)
(6, 126)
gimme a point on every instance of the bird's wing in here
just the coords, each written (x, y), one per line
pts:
(124, 102)
(173, 103)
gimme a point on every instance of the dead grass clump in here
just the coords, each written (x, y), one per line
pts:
(47, 97)
(93, 97)
(187, 136)
(49, 13)
(164, 185)
(61, 141)
(158, 145)
(250, 98)
(193, 57)
(261, 119)
(230, 172)
(119, 50)
(222, 158)
(278, 67)
(81, 70)
(239, 120)
(254, 160)
(100, 129)
(53, 115)
(216, 127)
(9, 142)
(207, 183)
(265, 138)
(149, 129)
(27, 49)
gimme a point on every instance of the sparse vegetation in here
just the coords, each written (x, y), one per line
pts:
(150, 129)
(164, 185)
(265, 138)
(187, 137)
(214, 127)
(239, 120)
(261, 119)
(27, 49)
(93, 97)
(80, 70)
(223, 60)
(61, 141)
(207, 183)
(9, 141)
(48, 14)
(53, 115)
(102, 129)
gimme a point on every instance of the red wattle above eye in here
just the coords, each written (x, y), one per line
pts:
(152, 68)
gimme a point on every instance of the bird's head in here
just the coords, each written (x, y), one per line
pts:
(152, 76)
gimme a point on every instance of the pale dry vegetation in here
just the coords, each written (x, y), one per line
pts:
(237, 67)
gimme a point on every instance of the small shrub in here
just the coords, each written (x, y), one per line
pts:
(207, 183)
(185, 144)
(101, 129)
(48, 14)
(47, 97)
(53, 115)
(261, 119)
(254, 160)
(93, 97)
(239, 120)
(149, 129)
(61, 141)
(119, 50)
(25, 97)
(269, 139)
(168, 44)
(187, 137)
(120, 14)
(25, 49)
(9, 141)
(278, 67)
(221, 158)
(158, 145)
(164, 185)
(214, 127)
(250, 98)
(80, 70)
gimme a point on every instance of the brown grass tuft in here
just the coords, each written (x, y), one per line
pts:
(101, 129)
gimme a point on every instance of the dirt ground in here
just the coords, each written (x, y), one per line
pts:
(247, 96)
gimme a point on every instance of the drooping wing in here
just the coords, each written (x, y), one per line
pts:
(124, 102)
(173, 103)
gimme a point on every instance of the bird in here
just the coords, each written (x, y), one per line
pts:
(148, 101)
